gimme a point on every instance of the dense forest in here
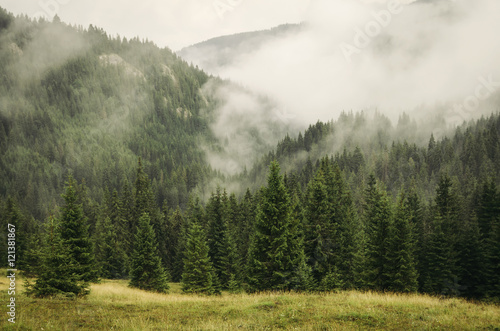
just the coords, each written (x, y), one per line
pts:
(102, 172)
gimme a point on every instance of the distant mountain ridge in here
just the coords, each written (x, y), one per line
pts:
(224, 50)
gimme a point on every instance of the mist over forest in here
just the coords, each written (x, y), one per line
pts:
(357, 150)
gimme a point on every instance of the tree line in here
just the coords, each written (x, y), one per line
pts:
(277, 238)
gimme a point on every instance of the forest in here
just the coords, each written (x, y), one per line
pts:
(103, 175)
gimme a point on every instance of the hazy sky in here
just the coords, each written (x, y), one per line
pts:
(172, 23)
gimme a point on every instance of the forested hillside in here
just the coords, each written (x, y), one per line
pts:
(121, 129)
(78, 100)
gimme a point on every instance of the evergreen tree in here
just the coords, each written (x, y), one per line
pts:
(489, 224)
(110, 256)
(147, 272)
(198, 275)
(219, 243)
(402, 271)
(194, 214)
(443, 256)
(470, 259)
(319, 230)
(244, 230)
(74, 233)
(273, 264)
(56, 276)
(174, 225)
(491, 288)
(144, 201)
(127, 213)
(439, 278)
(378, 218)
(24, 231)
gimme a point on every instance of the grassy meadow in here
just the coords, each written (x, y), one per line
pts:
(114, 306)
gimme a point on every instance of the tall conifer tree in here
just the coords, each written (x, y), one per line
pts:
(275, 262)
(74, 233)
(147, 272)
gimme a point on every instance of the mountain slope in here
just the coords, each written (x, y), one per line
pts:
(226, 50)
(76, 100)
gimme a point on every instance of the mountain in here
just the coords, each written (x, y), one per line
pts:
(226, 50)
(156, 147)
(77, 100)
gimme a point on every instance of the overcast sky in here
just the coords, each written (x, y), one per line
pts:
(172, 23)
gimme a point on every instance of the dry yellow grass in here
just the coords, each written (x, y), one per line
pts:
(114, 306)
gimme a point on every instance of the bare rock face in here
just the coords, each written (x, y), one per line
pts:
(14, 49)
(116, 60)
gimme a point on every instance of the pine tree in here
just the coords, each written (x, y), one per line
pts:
(198, 275)
(489, 224)
(418, 226)
(74, 233)
(195, 213)
(245, 227)
(143, 198)
(127, 213)
(56, 276)
(319, 231)
(174, 225)
(439, 278)
(147, 272)
(378, 218)
(275, 262)
(24, 230)
(402, 271)
(491, 289)
(443, 256)
(118, 221)
(110, 256)
(470, 259)
(219, 243)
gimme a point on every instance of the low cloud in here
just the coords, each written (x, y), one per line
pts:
(428, 53)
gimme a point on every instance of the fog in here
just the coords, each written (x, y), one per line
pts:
(352, 55)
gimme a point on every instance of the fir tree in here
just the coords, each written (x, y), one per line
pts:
(402, 271)
(470, 259)
(174, 224)
(110, 256)
(198, 275)
(439, 278)
(275, 262)
(127, 214)
(144, 201)
(378, 218)
(319, 230)
(56, 272)
(74, 233)
(219, 243)
(147, 273)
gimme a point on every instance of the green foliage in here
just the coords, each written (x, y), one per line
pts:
(199, 275)
(74, 233)
(379, 219)
(402, 271)
(56, 275)
(147, 272)
(276, 256)
(109, 253)
(73, 111)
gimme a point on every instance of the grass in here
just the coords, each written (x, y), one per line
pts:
(114, 306)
